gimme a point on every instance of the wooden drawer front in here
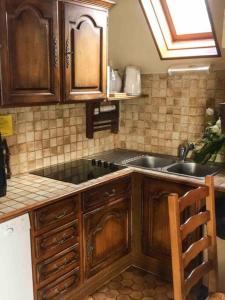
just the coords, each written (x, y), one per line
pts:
(57, 240)
(60, 287)
(107, 193)
(59, 264)
(64, 210)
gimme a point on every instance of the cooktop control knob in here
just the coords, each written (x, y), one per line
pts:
(99, 163)
(93, 162)
(112, 165)
(106, 164)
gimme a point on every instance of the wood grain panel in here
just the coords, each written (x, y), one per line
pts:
(60, 287)
(155, 216)
(86, 36)
(107, 235)
(57, 240)
(85, 52)
(30, 64)
(56, 214)
(30, 52)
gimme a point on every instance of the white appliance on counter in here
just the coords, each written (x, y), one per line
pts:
(132, 84)
(16, 281)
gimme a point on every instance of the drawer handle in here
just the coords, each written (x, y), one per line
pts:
(57, 242)
(58, 267)
(55, 52)
(68, 54)
(110, 194)
(58, 291)
(90, 248)
(66, 262)
(65, 238)
(64, 289)
(44, 219)
(62, 215)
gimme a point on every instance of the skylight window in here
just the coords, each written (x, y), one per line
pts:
(181, 28)
(181, 11)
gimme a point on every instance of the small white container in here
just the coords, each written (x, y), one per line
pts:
(132, 85)
(115, 81)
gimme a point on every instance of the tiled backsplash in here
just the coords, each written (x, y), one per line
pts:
(45, 135)
(173, 112)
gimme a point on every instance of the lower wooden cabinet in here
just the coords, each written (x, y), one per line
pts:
(57, 240)
(58, 288)
(155, 216)
(77, 237)
(55, 236)
(107, 235)
(56, 266)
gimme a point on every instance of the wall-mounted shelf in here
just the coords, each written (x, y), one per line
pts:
(123, 97)
(102, 116)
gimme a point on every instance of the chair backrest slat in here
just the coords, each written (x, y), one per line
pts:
(193, 223)
(197, 274)
(195, 249)
(206, 241)
(190, 197)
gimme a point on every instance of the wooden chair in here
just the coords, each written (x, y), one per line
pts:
(207, 242)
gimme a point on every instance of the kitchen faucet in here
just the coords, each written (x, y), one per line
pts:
(184, 149)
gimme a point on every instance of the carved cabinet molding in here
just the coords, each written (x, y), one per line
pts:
(155, 216)
(29, 35)
(84, 52)
(53, 51)
(106, 235)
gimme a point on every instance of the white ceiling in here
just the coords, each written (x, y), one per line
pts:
(131, 42)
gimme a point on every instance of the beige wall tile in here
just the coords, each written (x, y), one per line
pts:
(174, 111)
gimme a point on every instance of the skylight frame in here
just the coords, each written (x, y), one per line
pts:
(185, 37)
(165, 44)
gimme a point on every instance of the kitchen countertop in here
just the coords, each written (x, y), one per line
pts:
(27, 192)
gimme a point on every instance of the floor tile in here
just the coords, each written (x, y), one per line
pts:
(134, 284)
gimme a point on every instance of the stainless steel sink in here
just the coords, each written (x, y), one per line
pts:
(149, 162)
(192, 169)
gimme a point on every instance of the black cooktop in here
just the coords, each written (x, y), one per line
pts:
(78, 171)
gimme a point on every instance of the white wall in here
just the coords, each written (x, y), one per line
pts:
(131, 42)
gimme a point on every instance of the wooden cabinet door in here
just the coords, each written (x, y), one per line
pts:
(29, 40)
(155, 216)
(106, 235)
(84, 52)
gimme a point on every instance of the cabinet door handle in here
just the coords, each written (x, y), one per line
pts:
(90, 248)
(110, 194)
(58, 217)
(55, 52)
(57, 241)
(68, 54)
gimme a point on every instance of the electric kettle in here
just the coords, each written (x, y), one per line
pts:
(132, 83)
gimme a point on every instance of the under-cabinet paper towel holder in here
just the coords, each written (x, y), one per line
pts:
(102, 116)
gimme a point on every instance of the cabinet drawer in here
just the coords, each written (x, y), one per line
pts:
(59, 264)
(106, 193)
(57, 240)
(64, 210)
(60, 287)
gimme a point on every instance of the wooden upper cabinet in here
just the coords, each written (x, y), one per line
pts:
(29, 37)
(84, 52)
